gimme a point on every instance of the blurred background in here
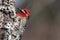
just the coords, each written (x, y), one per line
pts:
(44, 23)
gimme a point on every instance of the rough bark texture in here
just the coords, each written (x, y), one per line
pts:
(9, 23)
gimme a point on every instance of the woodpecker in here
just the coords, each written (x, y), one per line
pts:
(24, 16)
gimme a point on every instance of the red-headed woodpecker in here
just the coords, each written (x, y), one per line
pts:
(24, 15)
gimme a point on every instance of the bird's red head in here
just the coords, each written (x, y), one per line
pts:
(25, 13)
